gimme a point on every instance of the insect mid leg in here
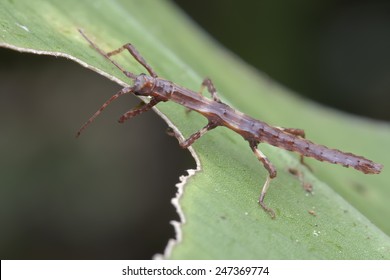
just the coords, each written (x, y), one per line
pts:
(190, 140)
(133, 51)
(271, 174)
(140, 108)
(211, 88)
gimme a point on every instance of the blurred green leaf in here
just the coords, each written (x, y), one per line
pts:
(222, 217)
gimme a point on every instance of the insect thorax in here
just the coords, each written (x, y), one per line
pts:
(144, 85)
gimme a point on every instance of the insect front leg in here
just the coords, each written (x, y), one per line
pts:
(140, 108)
(133, 51)
(190, 140)
(211, 89)
(271, 174)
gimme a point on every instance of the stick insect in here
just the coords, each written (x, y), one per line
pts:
(220, 114)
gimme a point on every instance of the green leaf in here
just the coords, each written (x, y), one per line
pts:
(219, 203)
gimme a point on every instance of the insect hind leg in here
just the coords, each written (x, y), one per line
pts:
(207, 83)
(294, 131)
(300, 133)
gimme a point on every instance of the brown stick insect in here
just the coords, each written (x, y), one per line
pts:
(220, 114)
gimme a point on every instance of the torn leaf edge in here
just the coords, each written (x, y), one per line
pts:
(172, 242)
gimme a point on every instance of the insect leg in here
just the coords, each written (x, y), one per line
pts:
(190, 140)
(112, 98)
(107, 56)
(211, 88)
(297, 132)
(271, 174)
(294, 131)
(133, 51)
(140, 108)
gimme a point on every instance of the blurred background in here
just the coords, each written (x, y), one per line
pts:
(67, 198)
(333, 51)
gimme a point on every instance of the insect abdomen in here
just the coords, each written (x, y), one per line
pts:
(323, 153)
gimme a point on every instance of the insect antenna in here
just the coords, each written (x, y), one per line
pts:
(97, 113)
(99, 50)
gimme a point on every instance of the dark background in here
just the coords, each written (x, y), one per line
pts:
(332, 51)
(64, 198)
